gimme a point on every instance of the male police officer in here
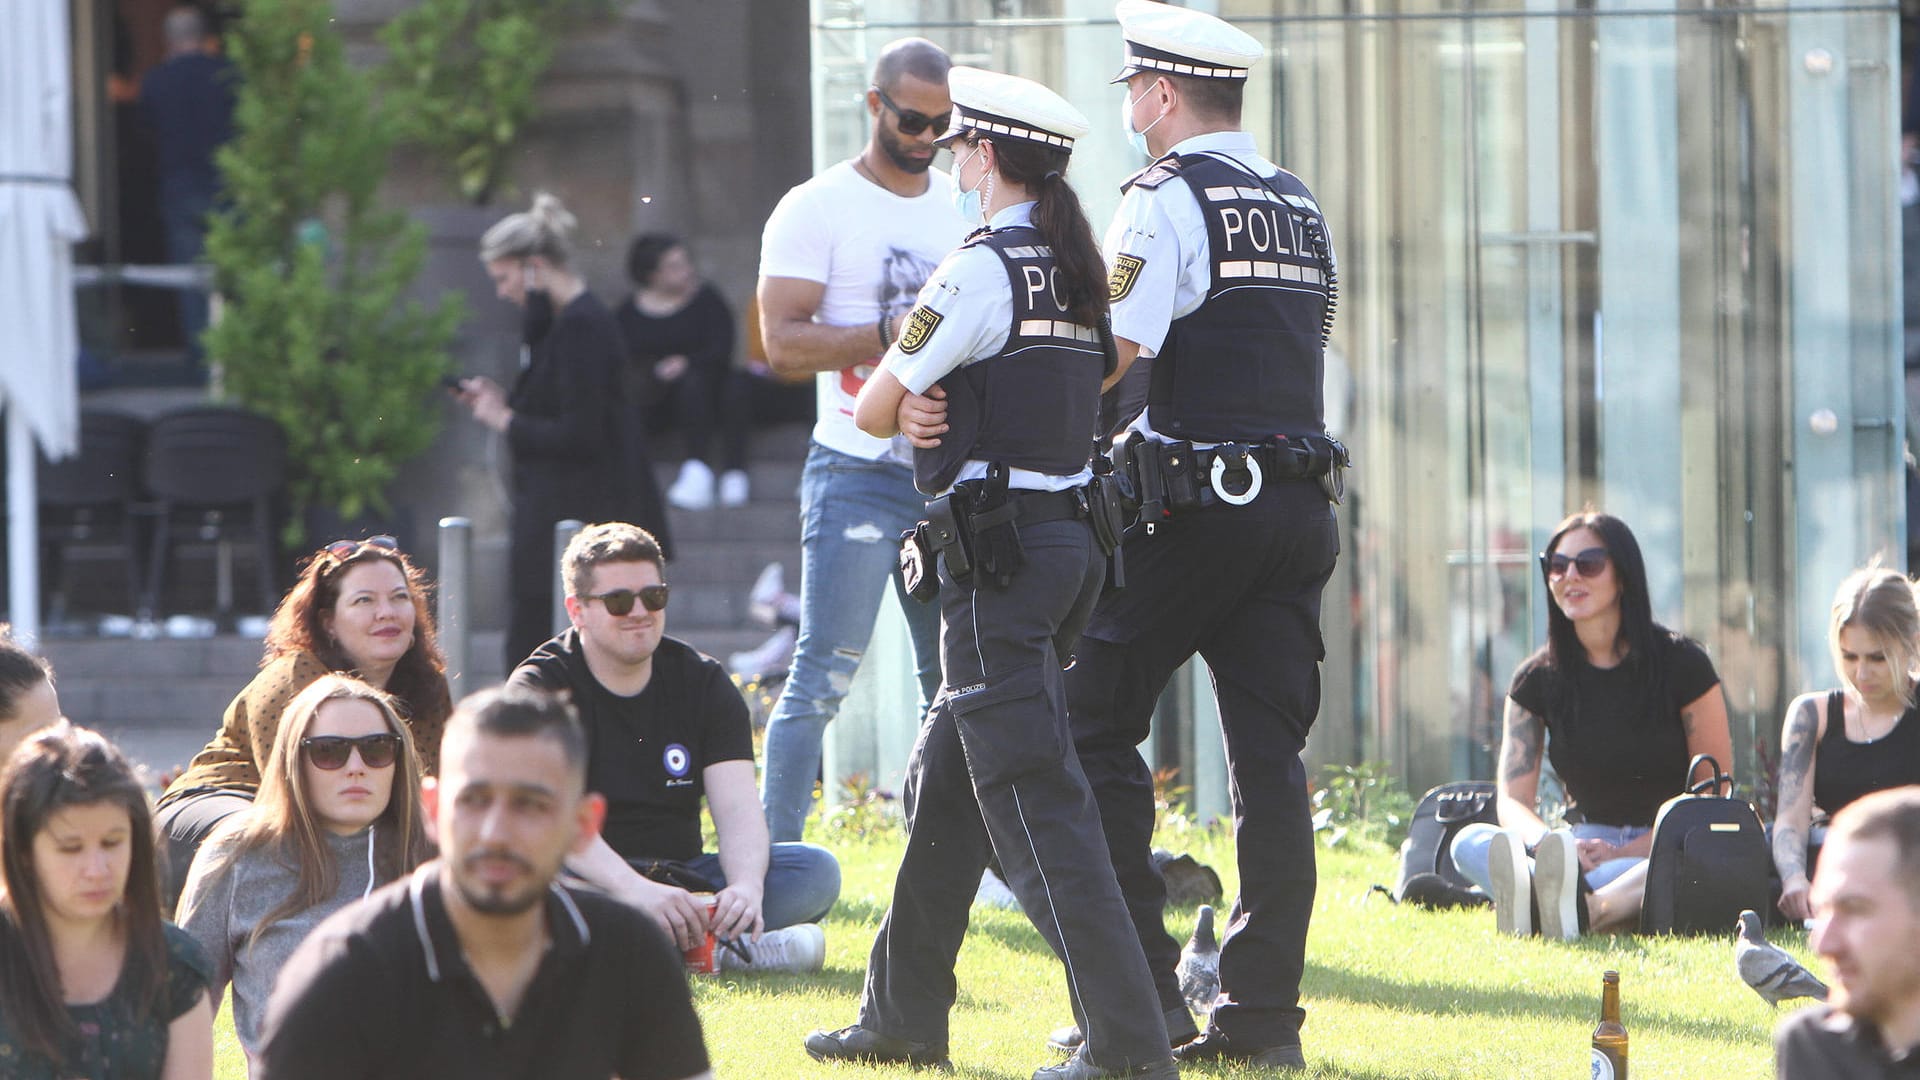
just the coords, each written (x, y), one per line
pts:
(1223, 274)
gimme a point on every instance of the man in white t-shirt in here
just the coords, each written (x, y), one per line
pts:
(841, 261)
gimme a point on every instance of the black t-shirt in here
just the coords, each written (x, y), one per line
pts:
(1818, 1043)
(1618, 764)
(701, 331)
(1844, 770)
(646, 752)
(382, 989)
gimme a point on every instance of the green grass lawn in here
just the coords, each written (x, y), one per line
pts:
(1390, 992)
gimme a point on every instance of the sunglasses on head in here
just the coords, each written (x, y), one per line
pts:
(912, 122)
(342, 550)
(1589, 562)
(330, 752)
(620, 601)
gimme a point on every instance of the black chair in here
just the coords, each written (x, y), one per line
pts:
(93, 498)
(209, 469)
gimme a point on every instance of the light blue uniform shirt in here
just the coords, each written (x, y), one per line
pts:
(974, 300)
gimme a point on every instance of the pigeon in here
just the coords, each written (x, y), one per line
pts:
(1773, 974)
(1199, 969)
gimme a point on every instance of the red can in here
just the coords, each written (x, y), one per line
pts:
(702, 957)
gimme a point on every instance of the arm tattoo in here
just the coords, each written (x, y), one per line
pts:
(1796, 773)
(1524, 732)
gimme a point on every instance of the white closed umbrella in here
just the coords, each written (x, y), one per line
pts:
(40, 220)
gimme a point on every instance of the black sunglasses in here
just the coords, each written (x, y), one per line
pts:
(1589, 562)
(913, 122)
(342, 550)
(620, 601)
(330, 752)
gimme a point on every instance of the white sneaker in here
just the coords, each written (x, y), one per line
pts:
(763, 600)
(1512, 884)
(793, 948)
(1556, 872)
(994, 893)
(772, 657)
(733, 488)
(693, 488)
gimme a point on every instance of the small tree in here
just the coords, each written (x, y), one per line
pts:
(315, 330)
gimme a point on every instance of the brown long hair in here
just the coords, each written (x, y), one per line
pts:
(282, 822)
(418, 680)
(1060, 219)
(60, 767)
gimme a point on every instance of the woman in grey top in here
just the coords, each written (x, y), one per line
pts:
(336, 817)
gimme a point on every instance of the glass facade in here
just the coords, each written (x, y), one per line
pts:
(1636, 256)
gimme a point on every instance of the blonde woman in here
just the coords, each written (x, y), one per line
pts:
(337, 816)
(1863, 737)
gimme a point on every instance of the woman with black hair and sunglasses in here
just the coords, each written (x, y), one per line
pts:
(1620, 704)
(359, 607)
(337, 816)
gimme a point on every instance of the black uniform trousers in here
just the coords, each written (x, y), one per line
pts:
(1240, 586)
(993, 773)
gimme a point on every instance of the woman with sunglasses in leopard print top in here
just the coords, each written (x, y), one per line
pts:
(359, 607)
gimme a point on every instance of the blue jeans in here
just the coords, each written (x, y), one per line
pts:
(852, 512)
(803, 881)
(1470, 851)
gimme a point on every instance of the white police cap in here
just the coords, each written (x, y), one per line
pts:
(1008, 106)
(1172, 40)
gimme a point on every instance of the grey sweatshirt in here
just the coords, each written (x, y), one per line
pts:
(221, 908)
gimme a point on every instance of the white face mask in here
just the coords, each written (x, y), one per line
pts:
(968, 202)
(1138, 139)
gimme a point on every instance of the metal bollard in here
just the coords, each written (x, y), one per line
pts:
(563, 534)
(456, 591)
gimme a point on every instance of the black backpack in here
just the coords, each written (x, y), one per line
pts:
(1710, 860)
(1442, 812)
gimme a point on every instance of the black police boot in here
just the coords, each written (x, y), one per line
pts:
(1078, 1067)
(1212, 1045)
(1180, 1029)
(855, 1043)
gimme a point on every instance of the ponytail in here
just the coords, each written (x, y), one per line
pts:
(1061, 221)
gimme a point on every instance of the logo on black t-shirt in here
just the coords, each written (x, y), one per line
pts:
(677, 762)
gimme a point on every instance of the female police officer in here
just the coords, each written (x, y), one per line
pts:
(995, 378)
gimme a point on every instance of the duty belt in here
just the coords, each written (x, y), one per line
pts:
(1175, 476)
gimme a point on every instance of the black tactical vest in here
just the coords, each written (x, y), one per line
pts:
(1034, 404)
(1246, 364)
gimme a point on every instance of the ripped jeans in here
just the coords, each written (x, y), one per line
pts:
(852, 512)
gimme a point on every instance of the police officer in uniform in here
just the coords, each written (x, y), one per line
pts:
(995, 378)
(1222, 274)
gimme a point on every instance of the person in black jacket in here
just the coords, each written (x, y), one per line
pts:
(577, 451)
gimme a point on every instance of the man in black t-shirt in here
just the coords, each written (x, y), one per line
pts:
(665, 728)
(479, 965)
(1866, 902)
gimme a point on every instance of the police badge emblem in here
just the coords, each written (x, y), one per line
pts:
(921, 323)
(1126, 271)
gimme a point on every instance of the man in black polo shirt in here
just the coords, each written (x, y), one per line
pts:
(479, 965)
(665, 727)
(1866, 906)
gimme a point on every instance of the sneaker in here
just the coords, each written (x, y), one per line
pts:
(1180, 1031)
(1214, 1045)
(856, 1043)
(1512, 880)
(693, 488)
(792, 948)
(1556, 874)
(768, 602)
(733, 488)
(770, 657)
(1434, 891)
(994, 893)
(1078, 1067)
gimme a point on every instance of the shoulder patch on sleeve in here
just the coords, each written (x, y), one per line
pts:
(1120, 279)
(921, 323)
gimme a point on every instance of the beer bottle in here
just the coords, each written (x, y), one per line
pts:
(1610, 1037)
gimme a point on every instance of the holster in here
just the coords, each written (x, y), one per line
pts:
(948, 538)
(917, 569)
(991, 532)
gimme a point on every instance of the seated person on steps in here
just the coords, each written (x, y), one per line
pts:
(1620, 704)
(665, 726)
